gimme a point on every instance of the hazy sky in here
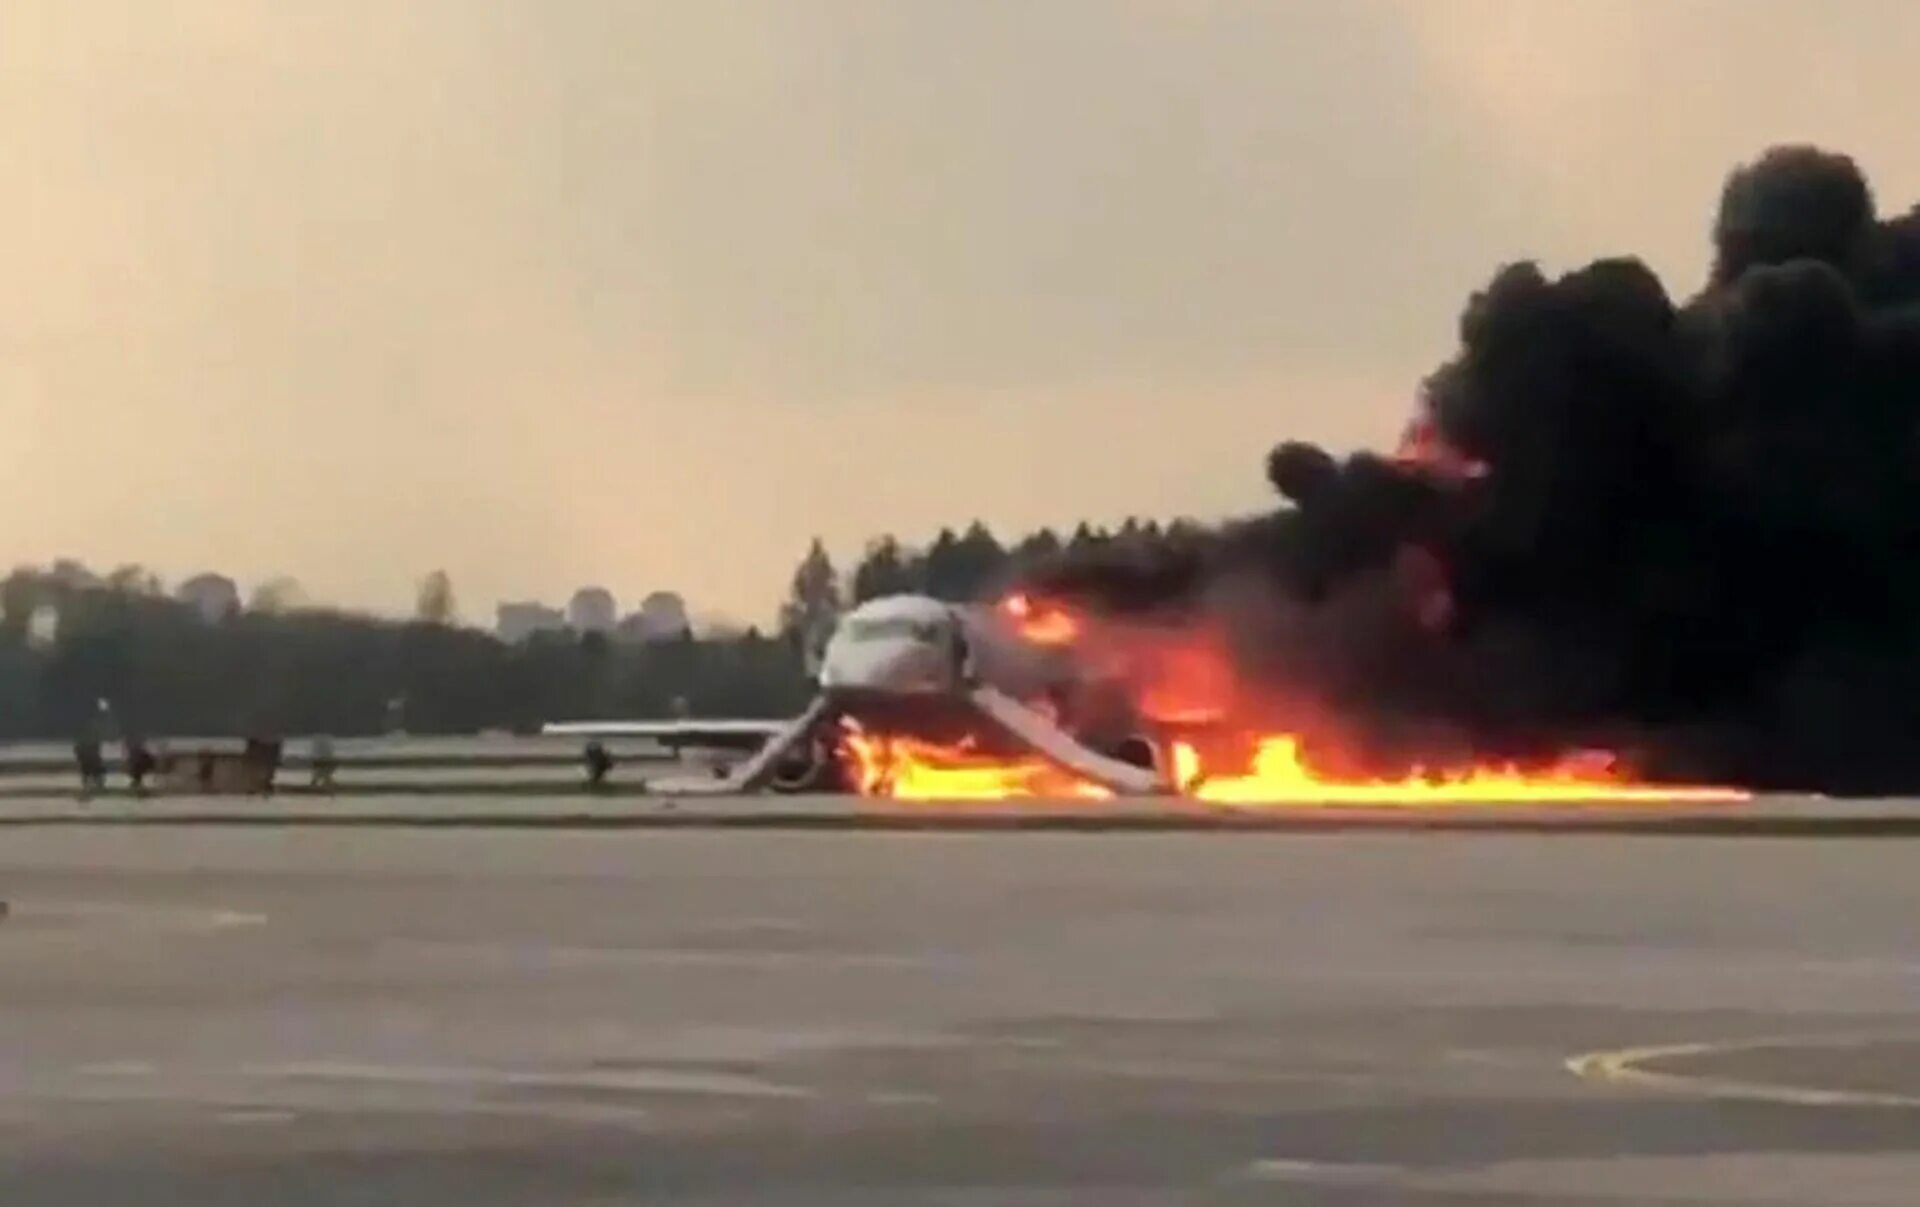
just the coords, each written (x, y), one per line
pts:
(648, 293)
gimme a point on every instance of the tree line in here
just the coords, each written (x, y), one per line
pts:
(70, 640)
(968, 564)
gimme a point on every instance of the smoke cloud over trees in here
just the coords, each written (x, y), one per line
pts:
(1689, 527)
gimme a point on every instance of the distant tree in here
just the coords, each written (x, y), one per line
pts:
(1036, 547)
(980, 561)
(813, 598)
(68, 572)
(20, 594)
(275, 596)
(434, 603)
(716, 626)
(885, 569)
(134, 579)
(946, 570)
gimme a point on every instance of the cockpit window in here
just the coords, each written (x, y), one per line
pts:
(898, 628)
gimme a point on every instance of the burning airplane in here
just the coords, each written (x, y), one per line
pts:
(919, 699)
(1625, 538)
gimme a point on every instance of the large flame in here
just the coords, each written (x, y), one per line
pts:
(1041, 623)
(902, 767)
(1182, 683)
(1280, 775)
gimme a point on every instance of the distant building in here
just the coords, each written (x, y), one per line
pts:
(592, 610)
(515, 622)
(662, 617)
(213, 596)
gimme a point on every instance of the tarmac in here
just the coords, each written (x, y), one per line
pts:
(597, 1014)
(576, 808)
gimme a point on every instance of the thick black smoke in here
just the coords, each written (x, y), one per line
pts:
(1690, 529)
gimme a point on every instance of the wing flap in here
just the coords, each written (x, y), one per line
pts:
(715, 734)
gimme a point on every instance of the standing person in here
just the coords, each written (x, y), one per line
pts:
(599, 764)
(262, 760)
(92, 767)
(322, 764)
(140, 764)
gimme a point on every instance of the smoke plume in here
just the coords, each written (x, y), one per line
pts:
(1690, 530)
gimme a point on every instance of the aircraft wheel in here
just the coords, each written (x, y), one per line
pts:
(812, 767)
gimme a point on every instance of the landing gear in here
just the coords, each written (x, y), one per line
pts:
(813, 765)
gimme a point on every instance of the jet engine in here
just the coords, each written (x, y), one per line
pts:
(1138, 750)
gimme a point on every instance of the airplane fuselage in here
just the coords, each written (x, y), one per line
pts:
(914, 664)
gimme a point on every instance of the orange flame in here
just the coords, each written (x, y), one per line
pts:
(908, 768)
(1041, 624)
(1422, 446)
(901, 767)
(1182, 684)
(1280, 775)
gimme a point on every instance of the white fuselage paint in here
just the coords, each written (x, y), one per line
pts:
(911, 645)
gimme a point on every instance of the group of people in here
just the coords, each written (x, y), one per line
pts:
(259, 761)
(140, 762)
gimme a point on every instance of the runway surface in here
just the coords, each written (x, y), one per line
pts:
(1778, 816)
(225, 1016)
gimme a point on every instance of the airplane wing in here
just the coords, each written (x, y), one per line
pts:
(753, 774)
(712, 734)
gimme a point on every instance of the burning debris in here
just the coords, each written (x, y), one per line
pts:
(1690, 531)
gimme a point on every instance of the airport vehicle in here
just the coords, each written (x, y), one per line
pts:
(937, 670)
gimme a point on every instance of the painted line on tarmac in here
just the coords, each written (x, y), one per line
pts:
(1629, 1067)
(117, 1068)
(61, 922)
(637, 1081)
(1287, 1169)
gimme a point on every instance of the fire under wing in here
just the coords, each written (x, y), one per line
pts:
(890, 658)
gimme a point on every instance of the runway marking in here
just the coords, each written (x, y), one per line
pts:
(670, 957)
(84, 920)
(639, 1081)
(223, 919)
(117, 1068)
(1628, 1067)
(1285, 1169)
(256, 1116)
